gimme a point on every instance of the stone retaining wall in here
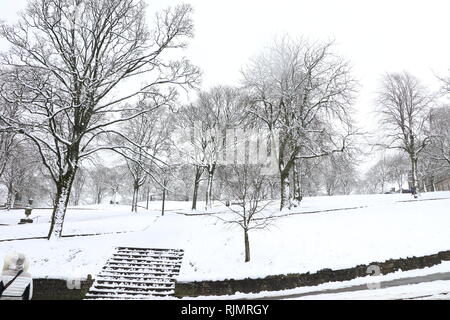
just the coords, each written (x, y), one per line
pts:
(290, 281)
(58, 289)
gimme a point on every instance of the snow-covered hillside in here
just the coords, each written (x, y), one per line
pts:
(350, 230)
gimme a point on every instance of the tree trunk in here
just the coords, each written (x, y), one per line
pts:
(135, 200)
(272, 193)
(284, 168)
(208, 202)
(163, 199)
(297, 186)
(414, 177)
(11, 197)
(132, 200)
(148, 197)
(247, 246)
(400, 186)
(285, 190)
(99, 196)
(63, 189)
(295, 203)
(198, 174)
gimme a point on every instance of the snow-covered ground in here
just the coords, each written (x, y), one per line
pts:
(380, 228)
(435, 290)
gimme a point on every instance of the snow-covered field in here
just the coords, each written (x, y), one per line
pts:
(365, 229)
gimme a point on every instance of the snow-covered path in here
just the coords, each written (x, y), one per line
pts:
(435, 290)
(364, 290)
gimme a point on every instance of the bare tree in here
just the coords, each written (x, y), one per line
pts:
(222, 107)
(8, 137)
(78, 186)
(19, 172)
(195, 143)
(69, 57)
(166, 175)
(8, 143)
(184, 183)
(439, 148)
(214, 112)
(445, 85)
(146, 137)
(398, 169)
(331, 177)
(339, 174)
(377, 177)
(435, 160)
(100, 178)
(310, 172)
(304, 92)
(246, 187)
(404, 106)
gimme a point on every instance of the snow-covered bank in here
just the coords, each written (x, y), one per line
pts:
(384, 227)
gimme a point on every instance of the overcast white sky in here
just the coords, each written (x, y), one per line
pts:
(376, 36)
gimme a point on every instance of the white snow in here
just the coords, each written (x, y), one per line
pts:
(427, 290)
(383, 227)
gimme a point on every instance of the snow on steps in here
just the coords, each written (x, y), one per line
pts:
(138, 273)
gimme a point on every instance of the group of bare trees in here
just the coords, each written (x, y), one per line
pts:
(144, 139)
(417, 125)
(390, 169)
(205, 123)
(304, 91)
(339, 173)
(66, 63)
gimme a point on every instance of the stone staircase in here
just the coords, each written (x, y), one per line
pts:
(138, 273)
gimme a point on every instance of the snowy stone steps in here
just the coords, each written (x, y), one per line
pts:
(160, 284)
(131, 291)
(146, 254)
(118, 257)
(143, 277)
(144, 287)
(155, 252)
(138, 273)
(132, 249)
(143, 263)
(100, 296)
(174, 258)
(140, 265)
(150, 254)
(155, 270)
(148, 294)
